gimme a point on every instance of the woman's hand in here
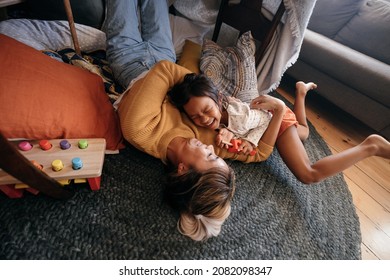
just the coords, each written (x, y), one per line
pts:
(223, 138)
(268, 103)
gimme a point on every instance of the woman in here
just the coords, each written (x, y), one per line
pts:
(201, 184)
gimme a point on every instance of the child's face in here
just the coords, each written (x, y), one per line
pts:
(203, 111)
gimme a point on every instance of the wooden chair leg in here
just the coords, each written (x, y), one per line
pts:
(69, 14)
(15, 164)
(218, 22)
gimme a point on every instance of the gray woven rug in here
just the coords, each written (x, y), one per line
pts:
(273, 217)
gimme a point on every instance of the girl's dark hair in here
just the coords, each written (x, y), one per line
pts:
(194, 85)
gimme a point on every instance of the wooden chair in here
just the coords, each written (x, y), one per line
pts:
(69, 15)
(246, 16)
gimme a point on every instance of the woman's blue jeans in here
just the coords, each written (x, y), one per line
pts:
(138, 36)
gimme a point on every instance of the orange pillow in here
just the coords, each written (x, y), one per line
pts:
(190, 56)
(41, 98)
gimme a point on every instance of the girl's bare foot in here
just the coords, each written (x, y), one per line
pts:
(380, 146)
(302, 88)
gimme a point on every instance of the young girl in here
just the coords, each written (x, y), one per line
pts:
(207, 107)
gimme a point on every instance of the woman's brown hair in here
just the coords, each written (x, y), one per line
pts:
(203, 199)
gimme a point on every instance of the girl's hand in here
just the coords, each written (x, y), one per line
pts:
(245, 147)
(223, 138)
(268, 103)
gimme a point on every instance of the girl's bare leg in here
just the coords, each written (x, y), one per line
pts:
(299, 109)
(293, 153)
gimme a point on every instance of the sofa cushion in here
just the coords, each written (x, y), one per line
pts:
(359, 71)
(232, 69)
(42, 98)
(369, 30)
(329, 16)
(360, 105)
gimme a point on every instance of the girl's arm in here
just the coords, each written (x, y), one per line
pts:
(278, 108)
(269, 137)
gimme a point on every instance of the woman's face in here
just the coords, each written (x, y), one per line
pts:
(195, 154)
(203, 111)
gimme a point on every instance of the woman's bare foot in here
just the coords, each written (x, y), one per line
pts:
(302, 88)
(380, 146)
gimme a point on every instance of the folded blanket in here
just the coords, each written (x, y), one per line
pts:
(95, 62)
(285, 47)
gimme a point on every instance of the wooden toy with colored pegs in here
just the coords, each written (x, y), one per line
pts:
(62, 159)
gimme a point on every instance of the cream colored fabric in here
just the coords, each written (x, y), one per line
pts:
(246, 123)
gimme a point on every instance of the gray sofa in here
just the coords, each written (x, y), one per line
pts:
(346, 50)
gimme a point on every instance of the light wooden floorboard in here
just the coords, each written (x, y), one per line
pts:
(368, 180)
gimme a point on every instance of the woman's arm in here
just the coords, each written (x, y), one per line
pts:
(145, 106)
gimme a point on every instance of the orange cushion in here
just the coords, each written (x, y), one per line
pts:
(42, 98)
(190, 57)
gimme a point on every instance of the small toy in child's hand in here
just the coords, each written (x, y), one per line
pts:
(235, 143)
(227, 143)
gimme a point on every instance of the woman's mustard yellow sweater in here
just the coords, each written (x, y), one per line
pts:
(149, 121)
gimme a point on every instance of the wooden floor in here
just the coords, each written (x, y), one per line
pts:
(368, 181)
